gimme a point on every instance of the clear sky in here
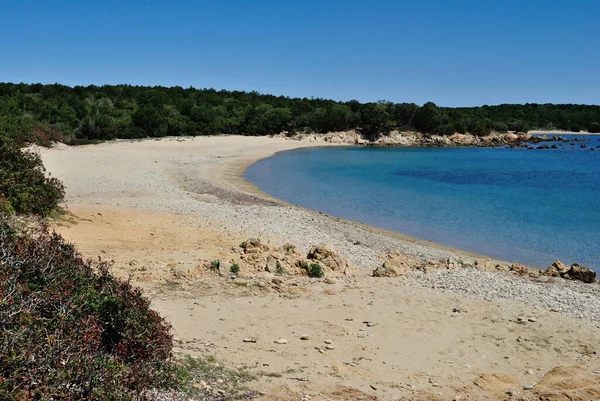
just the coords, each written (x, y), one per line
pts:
(454, 53)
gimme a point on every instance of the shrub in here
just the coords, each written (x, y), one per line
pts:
(315, 270)
(215, 264)
(67, 332)
(23, 183)
(235, 268)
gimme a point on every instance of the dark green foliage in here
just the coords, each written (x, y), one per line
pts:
(594, 128)
(314, 270)
(23, 183)
(44, 113)
(215, 264)
(235, 268)
(69, 329)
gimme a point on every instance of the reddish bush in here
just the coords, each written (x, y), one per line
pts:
(69, 329)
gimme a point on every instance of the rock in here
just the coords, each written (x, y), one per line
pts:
(271, 265)
(362, 334)
(370, 324)
(518, 269)
(328, 258)
(485, 265)
(349, 319)
(532, 320)
(568, 383)
(252, 245)
(250, 340)
(557, 268)
(574, 272)
(497, 383)
(581, 273)
(384, 271)
(281, 341)
(330, 347)
(395, 264)
(328, 342)
(528, 387)
(304, 337)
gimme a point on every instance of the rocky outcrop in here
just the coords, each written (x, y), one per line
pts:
(581, 273)
(414, 139)
(253, 256)
(323, 256)
(497, 383)
(395, 264)
(571, 383)
(573, 272)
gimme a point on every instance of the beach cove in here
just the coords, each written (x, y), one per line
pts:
(163, 209)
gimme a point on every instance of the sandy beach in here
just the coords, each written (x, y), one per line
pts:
(163, 210)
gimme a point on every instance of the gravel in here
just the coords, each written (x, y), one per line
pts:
(170, 182)
(572, 298)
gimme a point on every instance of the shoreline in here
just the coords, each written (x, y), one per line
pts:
(235, 177)
(165, 210)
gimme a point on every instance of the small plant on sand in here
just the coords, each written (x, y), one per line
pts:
(289, 248)
(279, 269)
(314, 270)
(243, 244)
(215, 264)
(235, 268)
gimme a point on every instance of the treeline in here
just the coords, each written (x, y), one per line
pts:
(47, 112)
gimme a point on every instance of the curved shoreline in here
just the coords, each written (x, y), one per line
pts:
(165, 210)
(234, 176)
(156, 175)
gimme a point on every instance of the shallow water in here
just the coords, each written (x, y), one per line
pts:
(528, 206)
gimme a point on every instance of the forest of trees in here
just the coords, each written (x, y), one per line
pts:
(39, 112)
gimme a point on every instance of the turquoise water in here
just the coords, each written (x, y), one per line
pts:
(528, 206)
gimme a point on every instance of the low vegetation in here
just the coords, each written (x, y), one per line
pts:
(314, 270)
(24, 187)
(68, 328)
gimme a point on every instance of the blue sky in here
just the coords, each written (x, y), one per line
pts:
(454, 53)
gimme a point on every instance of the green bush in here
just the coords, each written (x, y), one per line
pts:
(23, 183)
(215, 265)
(235, 268)
(314, 270)
(69, 329)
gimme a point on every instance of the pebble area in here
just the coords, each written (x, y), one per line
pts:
(171, 183)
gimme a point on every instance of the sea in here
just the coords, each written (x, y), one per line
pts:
(531, 206)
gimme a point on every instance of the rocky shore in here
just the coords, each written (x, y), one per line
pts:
(416, 139)
(225, 263)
